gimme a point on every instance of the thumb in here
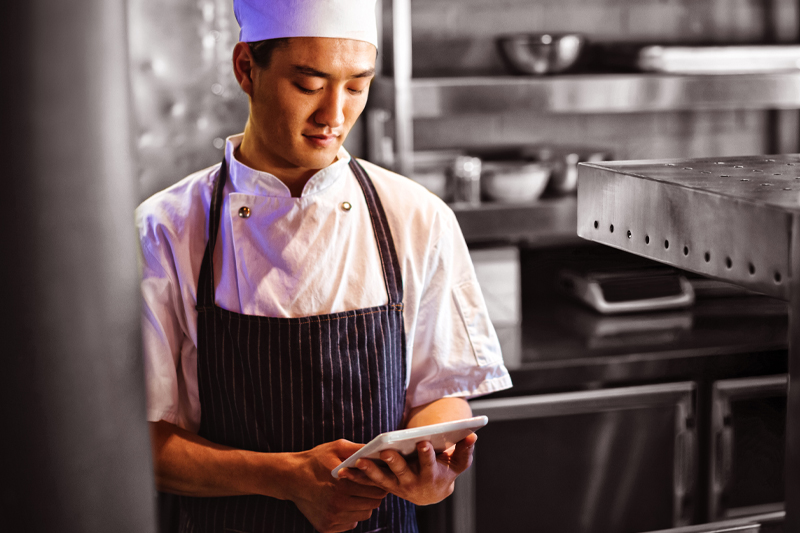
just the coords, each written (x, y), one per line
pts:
(345, 448)
(462, 455)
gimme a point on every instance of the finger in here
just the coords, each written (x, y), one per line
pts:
(379, 476)
(345, 448)
(357, 503)
(462, 456)
(356, 476)
(426, 457)
(363, 490)
(398, 466)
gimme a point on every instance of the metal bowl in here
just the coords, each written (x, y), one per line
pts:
(544, 53)
(513, 181)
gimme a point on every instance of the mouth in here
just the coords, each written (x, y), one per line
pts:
(321, 140)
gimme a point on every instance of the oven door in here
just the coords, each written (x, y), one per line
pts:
(612, 460)
(748, 435)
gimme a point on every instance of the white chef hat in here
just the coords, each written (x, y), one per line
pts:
(273, 19)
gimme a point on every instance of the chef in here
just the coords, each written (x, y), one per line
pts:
(298, 302)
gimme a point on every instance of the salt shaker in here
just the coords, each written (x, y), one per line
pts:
(465, 180)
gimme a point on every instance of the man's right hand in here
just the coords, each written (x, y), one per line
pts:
(331, 505)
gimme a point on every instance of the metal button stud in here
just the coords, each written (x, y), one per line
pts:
(244, 212)
(346, 206)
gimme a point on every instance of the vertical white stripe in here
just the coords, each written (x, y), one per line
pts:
(384, 372)
(215, 503)
(271, 412)
(290, 359)
(252, 378)
(341, 376)
(213, 351)
(393, 373)
(209, 413)
(260, 380)
(358, 367)
(369, 321)
(242, 420)
(280, 386)
(333, 399)
(235, 510)
(225, 394)
(302, 388)
(311, 360)
(376, 354)
(390, 371)
(347, 351)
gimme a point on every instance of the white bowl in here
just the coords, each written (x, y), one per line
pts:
(514, 181)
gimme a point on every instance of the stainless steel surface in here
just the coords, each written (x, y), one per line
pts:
(403, 97)
(545, 53)
(595, 93)
(546, 221)
(185, 97)
(728, 218)
(75, 449)
(723, 526)
(719, 59)
(721, 464)
(736, 219)
(570, 403)
(678, 396)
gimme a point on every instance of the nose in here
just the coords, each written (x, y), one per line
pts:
(331, 110)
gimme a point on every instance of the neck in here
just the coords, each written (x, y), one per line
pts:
(250, 154)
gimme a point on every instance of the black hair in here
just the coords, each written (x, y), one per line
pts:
(262, 50)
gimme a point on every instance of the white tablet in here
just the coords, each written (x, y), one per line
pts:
(441, 436)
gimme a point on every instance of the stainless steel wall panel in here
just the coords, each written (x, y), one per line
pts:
(75, 451)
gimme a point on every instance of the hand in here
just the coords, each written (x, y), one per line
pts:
(429, 479)
(330, 504)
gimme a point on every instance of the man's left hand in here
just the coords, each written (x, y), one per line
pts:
(428, 479)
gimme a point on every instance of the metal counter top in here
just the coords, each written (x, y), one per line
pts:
(734, 218)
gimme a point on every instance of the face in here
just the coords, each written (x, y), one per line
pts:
(303, 105)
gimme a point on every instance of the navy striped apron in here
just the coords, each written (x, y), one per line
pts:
(289, 384)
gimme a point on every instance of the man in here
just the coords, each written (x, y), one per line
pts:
(298, 303)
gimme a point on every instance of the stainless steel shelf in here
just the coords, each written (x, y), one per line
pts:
(594, 93)
(545, 221)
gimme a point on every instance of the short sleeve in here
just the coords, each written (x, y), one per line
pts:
(455, 349)
(162, 335)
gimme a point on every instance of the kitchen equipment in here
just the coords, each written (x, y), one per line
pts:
(430, 170)
(464, 183)
(647, 289)
(546, 53)
(735, 59)
(733, 218)
(564, 164)
(635, 448)
(514, 181)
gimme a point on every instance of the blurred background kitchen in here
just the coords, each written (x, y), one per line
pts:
(645, 398)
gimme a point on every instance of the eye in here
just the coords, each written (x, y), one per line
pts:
(306, 90)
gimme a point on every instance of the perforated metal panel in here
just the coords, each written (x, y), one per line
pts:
(728, 218)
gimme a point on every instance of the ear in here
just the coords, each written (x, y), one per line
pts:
(243, 67)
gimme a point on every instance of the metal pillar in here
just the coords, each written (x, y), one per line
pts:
(74, 449)
(792, 468)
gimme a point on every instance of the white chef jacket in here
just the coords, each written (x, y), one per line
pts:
(295, 257)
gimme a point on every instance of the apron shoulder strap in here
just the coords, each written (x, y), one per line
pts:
(205, 283)
(383, 235)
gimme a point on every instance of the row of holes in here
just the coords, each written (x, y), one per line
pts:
(707, 256)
